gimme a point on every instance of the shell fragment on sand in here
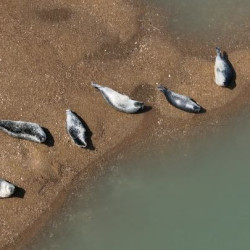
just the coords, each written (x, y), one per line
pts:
(119, 101)
(76, 129)
(24, 130)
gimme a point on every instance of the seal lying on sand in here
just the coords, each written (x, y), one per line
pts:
(180, 101)
(118, 101)
(24, 130)
(222, 69)
(6, 189)
(76, 129)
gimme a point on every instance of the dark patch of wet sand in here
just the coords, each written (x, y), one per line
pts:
(50, 52)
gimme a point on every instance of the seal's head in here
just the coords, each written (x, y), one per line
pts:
(196, 108)
(6, 189)
(218, 51)
(42, 137)
(140, 105)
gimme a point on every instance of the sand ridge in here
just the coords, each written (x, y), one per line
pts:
(50, 52)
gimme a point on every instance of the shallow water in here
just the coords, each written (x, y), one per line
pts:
(202, 23)
(194, 199)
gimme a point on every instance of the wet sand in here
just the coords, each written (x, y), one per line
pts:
(49, 54)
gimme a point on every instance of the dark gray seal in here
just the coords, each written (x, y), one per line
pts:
(222, 69)
(24, 130)
(118, 101)
(76, 129)
(180, 101)
(6, 189)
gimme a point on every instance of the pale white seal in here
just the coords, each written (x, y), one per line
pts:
(180, 101)
(76, 129)
(6, 189)
(222, 69)
(118, 101)
(24, 130)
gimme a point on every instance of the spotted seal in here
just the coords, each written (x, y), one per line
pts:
(75, 129)
(180, 101)
(6, 189)
(222, 69)
(119, 101)
(24, 130)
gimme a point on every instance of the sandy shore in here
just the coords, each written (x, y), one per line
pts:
(49, 54)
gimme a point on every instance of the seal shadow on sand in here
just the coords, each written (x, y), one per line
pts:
(50, 139)
(144, 110)
(232, 83)
(89, 134)
(19, 192)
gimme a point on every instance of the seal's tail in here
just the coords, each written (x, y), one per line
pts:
(94, 84)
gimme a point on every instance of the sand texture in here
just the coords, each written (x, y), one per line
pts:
(50, 53)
